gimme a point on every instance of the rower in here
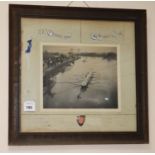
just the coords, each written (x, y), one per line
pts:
(86, 80)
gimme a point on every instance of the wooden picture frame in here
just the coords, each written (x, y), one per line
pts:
(18, 133)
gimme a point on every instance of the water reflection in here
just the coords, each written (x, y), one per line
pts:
(62, 87)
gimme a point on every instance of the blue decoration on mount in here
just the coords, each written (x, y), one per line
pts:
(28, 50)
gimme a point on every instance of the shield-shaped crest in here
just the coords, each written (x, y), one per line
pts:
(81, 119)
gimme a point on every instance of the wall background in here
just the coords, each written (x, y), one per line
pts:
(150, 7)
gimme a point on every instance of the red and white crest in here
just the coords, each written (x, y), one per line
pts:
(81, 119)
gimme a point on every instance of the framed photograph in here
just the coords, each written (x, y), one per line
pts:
(77, 76)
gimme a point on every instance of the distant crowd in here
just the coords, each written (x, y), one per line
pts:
(54, 59)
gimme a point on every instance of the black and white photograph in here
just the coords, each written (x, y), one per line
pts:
(80, 77)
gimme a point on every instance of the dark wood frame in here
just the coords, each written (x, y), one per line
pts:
(137, 16)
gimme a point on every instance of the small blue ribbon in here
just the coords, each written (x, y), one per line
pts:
(28, 50)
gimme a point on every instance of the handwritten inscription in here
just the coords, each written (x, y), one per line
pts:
(99, 37)
(51, 33)
(93, 36)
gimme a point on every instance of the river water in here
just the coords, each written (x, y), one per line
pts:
(100, 93)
